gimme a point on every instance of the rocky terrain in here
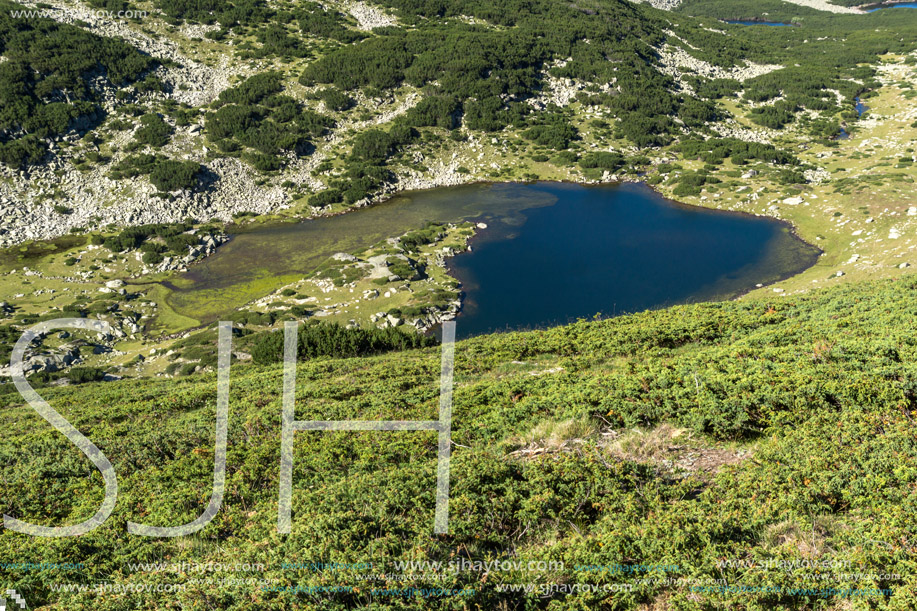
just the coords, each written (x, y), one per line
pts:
(95, 200)
(368, 17)
(192, 82)
(229, 186)
(678, 63)
(824, 5)
(666, 5)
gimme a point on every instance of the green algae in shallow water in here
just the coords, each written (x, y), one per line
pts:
(254, 263)
(733, 252)
(32, 251)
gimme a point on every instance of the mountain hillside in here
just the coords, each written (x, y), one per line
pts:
(294, 109)
(767, 445)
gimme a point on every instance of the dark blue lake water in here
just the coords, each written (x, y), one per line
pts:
(898, 5)
(613, 249)
(552, 252)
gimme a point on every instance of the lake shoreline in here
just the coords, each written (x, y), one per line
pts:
(233, 229)
(732, 295)
(169, 289)
(867, 8)
(791, 228)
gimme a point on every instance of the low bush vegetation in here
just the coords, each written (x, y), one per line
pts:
(45, 89)
(154, 131)
(807, 402)
(333, 340)
(165, 174)
(256, 118)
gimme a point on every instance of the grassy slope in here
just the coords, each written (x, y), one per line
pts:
(817, 391)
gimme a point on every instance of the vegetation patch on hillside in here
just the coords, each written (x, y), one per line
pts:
(813, 398)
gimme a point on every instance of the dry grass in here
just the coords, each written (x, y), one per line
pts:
(555, 436)
(810, 540)
(644, 445)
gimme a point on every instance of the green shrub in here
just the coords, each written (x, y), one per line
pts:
(553, 131)
(335, 99)
(326, 198)
(372, 146)
(402, 269)
(152, 258)
(49, 62)
(412, 241)
(333, 340)
(263, 162)
(173, 175)
(603, 161)
(82, 375)
(154, 131)
(315, 20)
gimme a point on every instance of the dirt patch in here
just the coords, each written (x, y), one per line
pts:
(670, 449)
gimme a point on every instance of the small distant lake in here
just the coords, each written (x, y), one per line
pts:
(551, 252)
(770, 23)
(860, 108)
(892, 5)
